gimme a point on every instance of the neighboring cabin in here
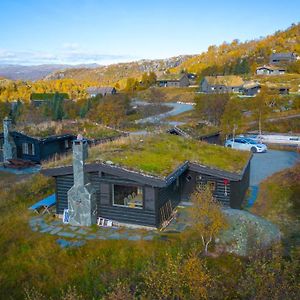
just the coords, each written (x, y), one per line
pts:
(173, 80)
(283, 58)
(198, 131)
(270, 70)
(19, 145)
(41, 142)
(221, 84)
(103, 91)
(141, 182)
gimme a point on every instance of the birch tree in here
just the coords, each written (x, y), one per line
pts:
(206, 216)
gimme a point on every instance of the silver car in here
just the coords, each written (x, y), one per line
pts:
(246, 144)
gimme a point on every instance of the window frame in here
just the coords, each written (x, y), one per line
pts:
(125, 206)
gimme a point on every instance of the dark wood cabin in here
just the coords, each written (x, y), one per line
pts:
(173, 80)
(37, 149)
(155, 198)
(221, 84)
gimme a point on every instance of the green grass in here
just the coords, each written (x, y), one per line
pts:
(159, 155)
(279, 202)
(88, 129)
(197, 130)
(33, 262)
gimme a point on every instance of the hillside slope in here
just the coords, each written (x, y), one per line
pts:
(221, 58)
(111, 74)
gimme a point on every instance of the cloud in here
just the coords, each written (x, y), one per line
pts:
(71, 53)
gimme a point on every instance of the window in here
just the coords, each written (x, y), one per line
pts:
(128, 196)
(28, 148)
(202, 185)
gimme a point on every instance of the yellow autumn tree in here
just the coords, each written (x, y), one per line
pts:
(206, 216)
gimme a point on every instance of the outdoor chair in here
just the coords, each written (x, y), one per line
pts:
(44, 205)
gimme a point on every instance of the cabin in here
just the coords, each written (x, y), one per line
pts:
(280, 89)
(221, 84)
(141, 182)
(270, 70)
(41, 142)
(283, 58)
(38, 99)
(18, 145)
(251, 88)
(173, 80)
(103, 91)
(201, 132)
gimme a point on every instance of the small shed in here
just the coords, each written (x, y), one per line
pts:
(251, 88)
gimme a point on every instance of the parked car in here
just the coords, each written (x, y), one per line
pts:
(246, 144)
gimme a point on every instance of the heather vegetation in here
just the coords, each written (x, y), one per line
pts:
(33, 266)
(278, 202)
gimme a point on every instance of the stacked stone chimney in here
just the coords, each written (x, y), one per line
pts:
(81, 197)
(9, 146)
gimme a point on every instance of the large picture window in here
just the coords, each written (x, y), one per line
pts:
(128, 196)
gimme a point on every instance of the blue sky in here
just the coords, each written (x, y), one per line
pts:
(108, 31)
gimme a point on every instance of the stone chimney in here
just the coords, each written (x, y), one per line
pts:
(81, 197)
(9, 146)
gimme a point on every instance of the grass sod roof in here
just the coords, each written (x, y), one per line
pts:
(228, 80)
(197, 130)
(89, 130)
(160, 155)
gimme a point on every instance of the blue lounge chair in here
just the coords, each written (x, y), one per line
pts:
(44, 204)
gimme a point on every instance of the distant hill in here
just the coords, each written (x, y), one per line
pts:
(239, 58)
(111, 74)
(32, 73)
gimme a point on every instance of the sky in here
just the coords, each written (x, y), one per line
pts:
(36, 32)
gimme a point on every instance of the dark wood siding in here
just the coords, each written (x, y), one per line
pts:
(170, 193)
(63, 184)
(239, 189)
(103, 186)
(189, 182)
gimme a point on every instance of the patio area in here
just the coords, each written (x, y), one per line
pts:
(75, 236)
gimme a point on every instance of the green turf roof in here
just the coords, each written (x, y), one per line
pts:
(160, 155)
(89, 130)
(197, 130)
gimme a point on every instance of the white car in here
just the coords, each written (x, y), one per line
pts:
(246, 144)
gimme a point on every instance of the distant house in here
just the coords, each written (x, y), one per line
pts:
(283, 58)
(221, 84)
(173, 80)
(281, 89)
(94, 91)
(38, 99)
(251, 88)
(270, 70)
